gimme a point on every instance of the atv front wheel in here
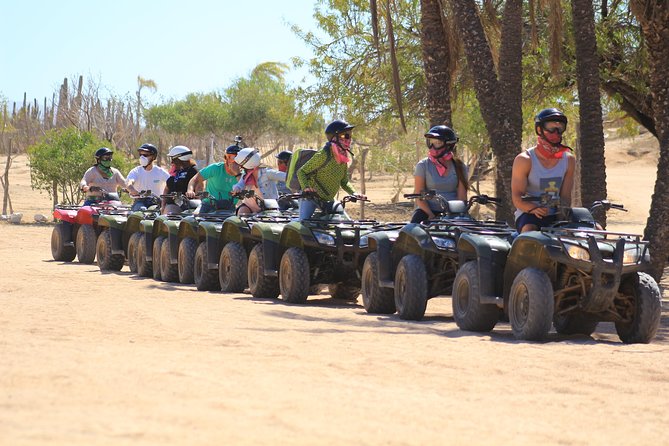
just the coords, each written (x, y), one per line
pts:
(59, 251)
(411, 288)
(106, 260)
(205, 279)
(186, 260)
(376, 300)
(468, 311)
(531, 305)
(294, 276)
(85, 245)
(157, 249)
(233, 268)
(132, 252)
(144, 266)
(261, 285)
(646, 302)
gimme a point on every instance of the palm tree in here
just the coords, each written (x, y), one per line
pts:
(591, 144)
(653, 15)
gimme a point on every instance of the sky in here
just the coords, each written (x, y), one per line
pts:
(184, 46)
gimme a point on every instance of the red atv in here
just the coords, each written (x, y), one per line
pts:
(76, 230)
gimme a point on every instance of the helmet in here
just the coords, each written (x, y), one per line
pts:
(182, 153)
(284, 155)
(336, 127)
(233, 149)
(149, 148)
(248, 158)
(102, 151)
(443, 133)
(548, 115)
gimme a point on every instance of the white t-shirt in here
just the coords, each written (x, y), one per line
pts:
(153, 180)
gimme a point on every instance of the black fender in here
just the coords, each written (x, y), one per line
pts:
(381, 243)
(490, 254)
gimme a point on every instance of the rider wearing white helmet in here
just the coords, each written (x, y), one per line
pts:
(262, 180)
(182, 170)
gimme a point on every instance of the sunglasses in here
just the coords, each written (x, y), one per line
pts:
(434, 142)
(345, 136)
(559, 130)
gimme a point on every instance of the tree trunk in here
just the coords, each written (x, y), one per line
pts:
(593, 185)
(653, 15)
(435, 63)
(500, 112)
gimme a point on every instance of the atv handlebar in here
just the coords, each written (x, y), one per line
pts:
(432, 194)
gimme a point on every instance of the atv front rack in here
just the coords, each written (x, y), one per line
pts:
(482, 227)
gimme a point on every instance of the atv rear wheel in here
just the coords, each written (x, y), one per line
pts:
(468, 311)
(233, 268)
(411, 288)
(144, 266)
(106, 260)
(645, 312)
(157, 249)
(186, 260)
(205, 279)
(294, 276)
(85, 245)
(261, 285)
(169, 272)
(376, 300)
(59, 251)
(531, 305)
(132, 251)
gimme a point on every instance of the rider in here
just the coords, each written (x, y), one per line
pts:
(327, 170)
(220, 178)
(146, 177)
(262, 180)
(182, 170)
(547, 168)
(282, 162)
(441, 172)
(101, 175)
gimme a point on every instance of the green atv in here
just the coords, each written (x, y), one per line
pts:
(571, 275)
(327, 249)
(221, 256)
(420, 262)
(158, 229)
(120, 235)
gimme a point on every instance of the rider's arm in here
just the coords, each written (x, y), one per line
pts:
(275, 175)
(346, 184)
(519, 173)
(568, 181)
(418, 187)
(196, 184)
(462, 190)
(304, 173)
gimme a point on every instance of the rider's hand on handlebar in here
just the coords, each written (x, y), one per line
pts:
(190, 193)
(360, 197)
(540, 212)
(309, 190)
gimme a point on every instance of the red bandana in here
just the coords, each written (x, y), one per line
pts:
(340, 153)
(550, 151)
(437, 161)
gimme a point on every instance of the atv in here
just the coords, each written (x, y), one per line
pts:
(420, 262)
(120, 234)
(159, 227)
(221, 256)
(77, 228)
(327, 249)
(571, 274)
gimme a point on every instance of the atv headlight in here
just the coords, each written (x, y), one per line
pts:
(364, 241)
(578, 252)
(324, 239)
(632, 254)
(444, 243)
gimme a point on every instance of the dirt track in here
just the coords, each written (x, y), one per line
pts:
(91, 358)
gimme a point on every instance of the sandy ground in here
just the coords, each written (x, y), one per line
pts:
(91, 358)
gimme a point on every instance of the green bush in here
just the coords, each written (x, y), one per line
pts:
(60, 159)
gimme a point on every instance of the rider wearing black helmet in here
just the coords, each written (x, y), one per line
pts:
(547, 168)
(101, 175)
(146, 177)
(327, 171)
(441, 172)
